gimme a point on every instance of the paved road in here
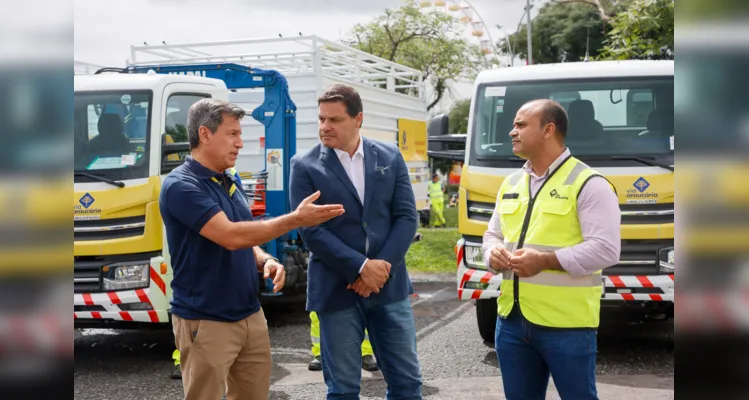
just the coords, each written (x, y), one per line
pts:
(634, 361)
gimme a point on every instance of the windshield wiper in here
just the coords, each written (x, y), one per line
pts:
(652, 163)
(101, 179)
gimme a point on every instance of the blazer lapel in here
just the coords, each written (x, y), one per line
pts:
(370, 163)
(330, 159)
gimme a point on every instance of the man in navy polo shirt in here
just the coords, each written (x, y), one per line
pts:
(219, 327)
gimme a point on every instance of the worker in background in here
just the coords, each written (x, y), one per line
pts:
(368, 362)
(550, 241)
(177, 371)
(437, 201)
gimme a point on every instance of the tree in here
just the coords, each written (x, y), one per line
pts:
(561, 32)
(645, 30)
(459, 116)
(429, 41)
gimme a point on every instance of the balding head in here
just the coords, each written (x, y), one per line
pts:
(549, 112)
(540, 127)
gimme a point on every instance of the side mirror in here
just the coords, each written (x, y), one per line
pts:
(170, 153)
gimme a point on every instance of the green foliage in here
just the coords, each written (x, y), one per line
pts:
(435, 252)
(179, 135)
(645, 30)
(561, 32)
(429, 41)
(721, 10)
(459, 116)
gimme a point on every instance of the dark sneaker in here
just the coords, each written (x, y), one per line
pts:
(177, 373)
(368, 363)
(315, 364)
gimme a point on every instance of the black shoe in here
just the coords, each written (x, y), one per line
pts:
(315, 364)
(368, 363)
(177, 373)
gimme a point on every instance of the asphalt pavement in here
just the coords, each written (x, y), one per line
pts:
(635, 360)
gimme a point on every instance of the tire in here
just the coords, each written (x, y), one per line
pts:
(486, 317)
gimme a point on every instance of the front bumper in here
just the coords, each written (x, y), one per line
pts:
(150, 304)
(127, 305)
(475, 284)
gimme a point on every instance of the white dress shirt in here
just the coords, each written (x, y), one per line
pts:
(354, 167)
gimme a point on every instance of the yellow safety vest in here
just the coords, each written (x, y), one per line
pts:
(435, 191)
(548, 222)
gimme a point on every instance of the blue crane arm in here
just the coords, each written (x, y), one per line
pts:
(277, 114)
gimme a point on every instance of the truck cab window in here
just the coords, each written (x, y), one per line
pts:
(176, 115)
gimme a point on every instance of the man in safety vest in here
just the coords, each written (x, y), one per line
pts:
(177, 371)
(436, 201)
(555, 226)
(368, 362)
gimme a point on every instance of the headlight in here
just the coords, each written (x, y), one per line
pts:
(474, 258)
(130, 276)
(666, 260)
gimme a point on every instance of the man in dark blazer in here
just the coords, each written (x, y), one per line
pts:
(357, 273)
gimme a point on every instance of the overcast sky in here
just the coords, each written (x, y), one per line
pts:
(105, 30)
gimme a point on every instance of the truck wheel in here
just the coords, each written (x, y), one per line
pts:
(486, 316)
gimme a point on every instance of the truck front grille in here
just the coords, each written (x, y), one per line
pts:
(105, 229)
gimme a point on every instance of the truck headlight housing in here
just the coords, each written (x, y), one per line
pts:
(666, 260)
(473, 256)
(123, 276)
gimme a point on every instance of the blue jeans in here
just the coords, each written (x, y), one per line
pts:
(527, 354)
(392, 333)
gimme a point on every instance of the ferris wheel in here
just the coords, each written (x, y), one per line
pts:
(466, 13)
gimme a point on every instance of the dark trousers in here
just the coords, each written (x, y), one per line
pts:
(529, 354)
(392, 332)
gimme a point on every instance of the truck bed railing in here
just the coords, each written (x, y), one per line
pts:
(293, 55)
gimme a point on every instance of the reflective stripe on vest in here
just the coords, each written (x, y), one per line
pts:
(435, 191)
(548, 222)
(233, 187)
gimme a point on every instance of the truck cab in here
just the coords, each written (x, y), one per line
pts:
(128, 128)
(621, 124)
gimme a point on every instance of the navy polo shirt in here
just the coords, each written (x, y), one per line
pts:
(210, 282)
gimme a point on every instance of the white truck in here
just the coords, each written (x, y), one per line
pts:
(130, 131)
(393, 95)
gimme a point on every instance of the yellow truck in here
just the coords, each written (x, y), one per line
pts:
(620, 123)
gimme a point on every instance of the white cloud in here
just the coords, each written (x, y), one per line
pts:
(105, 30)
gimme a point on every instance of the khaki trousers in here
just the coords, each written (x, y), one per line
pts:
(218, 358)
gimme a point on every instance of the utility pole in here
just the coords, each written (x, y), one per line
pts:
(528, 30)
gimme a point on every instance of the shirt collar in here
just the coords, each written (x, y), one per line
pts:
(359, 150)
(201, 171)
(528, 167)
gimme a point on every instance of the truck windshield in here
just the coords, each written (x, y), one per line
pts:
(112, 133)
(608, 118)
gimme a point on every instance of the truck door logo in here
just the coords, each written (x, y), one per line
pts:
(86, 200)
(641, 184)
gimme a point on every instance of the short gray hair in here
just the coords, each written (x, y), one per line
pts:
(209, 113)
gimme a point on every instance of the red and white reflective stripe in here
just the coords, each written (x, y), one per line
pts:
(110, 301)
(639, 296)
(474, 294)
(137, 316)
(717, 312)
(473, 275)
(156, 278)
(43, 332)
(111, 298)
(639, 281)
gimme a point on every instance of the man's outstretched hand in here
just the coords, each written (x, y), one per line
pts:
(309, 214)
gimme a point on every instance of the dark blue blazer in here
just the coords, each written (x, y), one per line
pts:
(388, 218)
